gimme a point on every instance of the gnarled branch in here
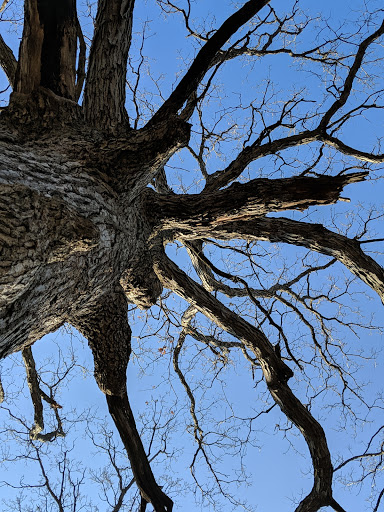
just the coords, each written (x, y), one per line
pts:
(313, 236)
(245, 201)
(106, 328)
(276, 374)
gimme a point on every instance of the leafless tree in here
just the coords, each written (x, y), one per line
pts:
(90, 199)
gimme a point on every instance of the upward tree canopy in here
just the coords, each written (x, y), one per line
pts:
(100, 173)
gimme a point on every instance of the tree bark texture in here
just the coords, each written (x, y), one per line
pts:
(82, 234)
(48, 48)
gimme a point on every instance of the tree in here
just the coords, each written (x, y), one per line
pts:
(87, 209)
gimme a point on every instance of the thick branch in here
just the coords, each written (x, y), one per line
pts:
(34, 389)
(105, 325)
(203, 270)
(320, 239)
(220, 179)
(203, 60)
(137, 158)
(175, 279)
(122, 415)
(313, 236)
(28, 74)
(36, 395)
(104, 95)
(242, 201)
(8, 62)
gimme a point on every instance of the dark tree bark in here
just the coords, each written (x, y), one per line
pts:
(104, 96)
(82, 235)
(48, 49)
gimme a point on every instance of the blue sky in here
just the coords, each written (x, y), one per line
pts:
(277, 466)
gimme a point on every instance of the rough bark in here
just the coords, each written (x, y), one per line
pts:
(37, 397)
(249, 200)
(34, 388)
(275, 370)
(89, 228)
(313, 236)
(47, 54)
(105, 326)
(64, 224)
(104, 96)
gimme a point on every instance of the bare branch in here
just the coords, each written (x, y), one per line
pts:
(204, 58)
(348, 150)
(34, 389)
(7, 60)
(122, 415)
(109, 336)
(245, 201)
(346, 91)
(253, 338)
(366, 453)
(106, 328)
(88, 204)
(313, 236)
(249, 292)
(359, 457)
(37, 394)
